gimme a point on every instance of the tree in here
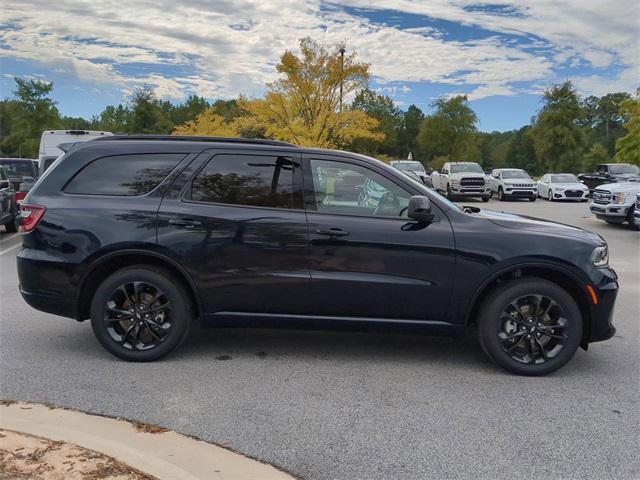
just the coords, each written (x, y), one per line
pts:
(147, 115)
(389, 120)
(628, 147)
(407, 138)
(450, 131)
(558, 138)
(522, 153)
(302, 106)
(603, 119)
(207, 123)
(597, 154)
(33, 112)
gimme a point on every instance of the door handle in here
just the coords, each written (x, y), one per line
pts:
(332, 232)
(186, 222)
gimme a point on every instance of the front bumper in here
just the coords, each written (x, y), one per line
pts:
(520, 192)
(564, 195)
(471, 191)
(601, 326)
(608, 210)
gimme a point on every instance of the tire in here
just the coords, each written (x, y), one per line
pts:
(635, 225)
(178, 316)
(550, 195)
(564, 312)
(532, 199)
(486, 199)
(10, 226)
(501, 195)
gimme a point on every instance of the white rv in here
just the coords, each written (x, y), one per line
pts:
(50, 140)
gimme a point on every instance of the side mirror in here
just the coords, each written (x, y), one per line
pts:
(5, 184)
(420, 209)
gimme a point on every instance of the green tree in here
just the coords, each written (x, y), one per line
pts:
(389, 119)
(407, 138)
(628, 147)
(113, 119)
(450, 131)
(32, 112)
(603, 119)
(597, 154)
(558, 138)
(147, 114)
(522, 153)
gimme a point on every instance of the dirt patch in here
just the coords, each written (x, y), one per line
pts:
(149, 428)
(25, 456)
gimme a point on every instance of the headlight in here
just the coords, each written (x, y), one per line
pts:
(620, 197)
(600, 256)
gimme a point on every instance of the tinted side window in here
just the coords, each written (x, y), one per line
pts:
(348, 189)
(124, 174)
(256, 180)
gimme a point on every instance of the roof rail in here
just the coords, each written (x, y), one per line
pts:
(188, 138)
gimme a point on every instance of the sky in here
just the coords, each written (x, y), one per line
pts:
(501, 55)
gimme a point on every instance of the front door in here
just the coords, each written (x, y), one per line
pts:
(239, 228)
(367, 258)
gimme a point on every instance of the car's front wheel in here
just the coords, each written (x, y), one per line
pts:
(501, 196)
(141, 313)
(530, 326)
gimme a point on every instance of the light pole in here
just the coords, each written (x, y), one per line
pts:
(341, 74)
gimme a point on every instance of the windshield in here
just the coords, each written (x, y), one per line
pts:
(564, 179)
(18, 168)
(515, 174)
(410, 166)
(466, 167)
(624, 168)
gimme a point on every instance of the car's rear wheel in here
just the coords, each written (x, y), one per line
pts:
(140, 313)
(530, 326)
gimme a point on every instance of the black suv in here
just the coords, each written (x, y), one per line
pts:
(143, 234)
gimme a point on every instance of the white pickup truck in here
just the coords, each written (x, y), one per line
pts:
(615, 202)
(461, 179)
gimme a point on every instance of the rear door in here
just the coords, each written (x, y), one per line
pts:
(367, 259)
(239, 227)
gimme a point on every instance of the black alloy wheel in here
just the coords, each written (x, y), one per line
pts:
(138, 316)
(141, 313)
(533, 329)
(530, 326)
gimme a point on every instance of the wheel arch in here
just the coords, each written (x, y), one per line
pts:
(557, 274)
(107, 264)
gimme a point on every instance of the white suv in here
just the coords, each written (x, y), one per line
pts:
(513, 182)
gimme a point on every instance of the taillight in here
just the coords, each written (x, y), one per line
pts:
(20, 196)
(30, 215)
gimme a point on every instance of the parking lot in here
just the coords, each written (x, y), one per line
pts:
(328, 405)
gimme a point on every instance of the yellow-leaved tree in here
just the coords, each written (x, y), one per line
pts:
(303, 106)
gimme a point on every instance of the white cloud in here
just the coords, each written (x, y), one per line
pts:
(223, 48)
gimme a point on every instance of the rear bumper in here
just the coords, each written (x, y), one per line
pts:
(53, 304)
(46, 283)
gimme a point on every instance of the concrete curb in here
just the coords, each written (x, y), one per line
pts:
(166, 455)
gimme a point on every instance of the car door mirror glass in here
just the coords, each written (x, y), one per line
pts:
(420, 209)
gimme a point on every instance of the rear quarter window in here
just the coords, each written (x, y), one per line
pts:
(123, 175)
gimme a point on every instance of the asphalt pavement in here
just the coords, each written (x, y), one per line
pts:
(327, 405)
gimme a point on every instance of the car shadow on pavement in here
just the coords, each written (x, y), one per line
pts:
(283, 344)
